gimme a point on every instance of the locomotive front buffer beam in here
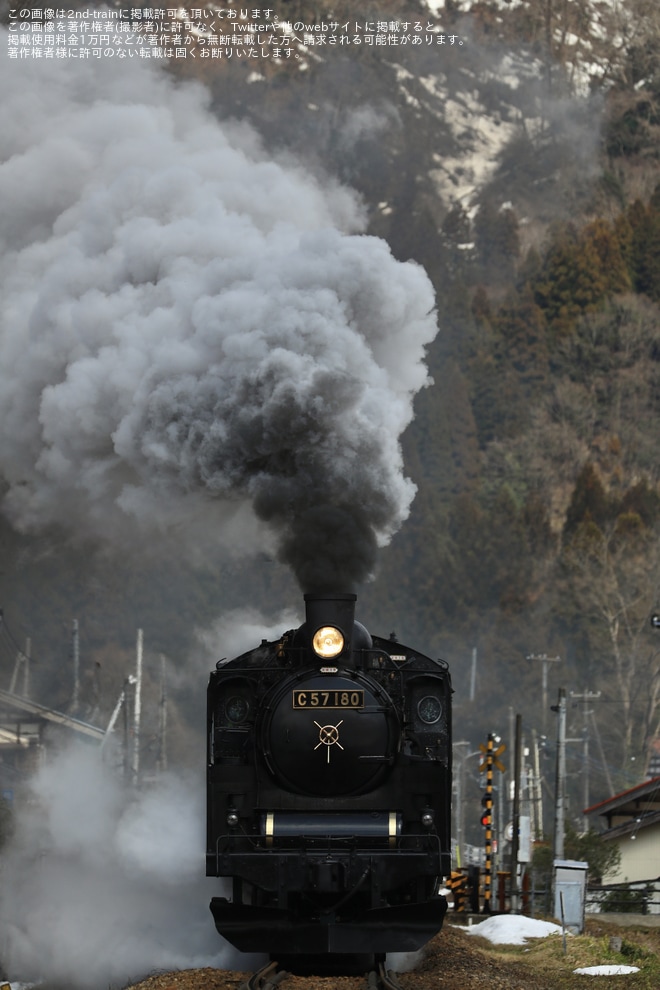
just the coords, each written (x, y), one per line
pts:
(374, 927)
(400, 928)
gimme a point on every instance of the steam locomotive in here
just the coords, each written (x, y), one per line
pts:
(329, 790)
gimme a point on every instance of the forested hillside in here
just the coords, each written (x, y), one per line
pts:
(522, 170)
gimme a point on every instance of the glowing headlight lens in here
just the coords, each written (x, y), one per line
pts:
(328, 642)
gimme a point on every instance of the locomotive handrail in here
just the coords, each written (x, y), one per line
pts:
(396, 665)
(234, 835)
(269, 667)
(327, 837)
(429, 835)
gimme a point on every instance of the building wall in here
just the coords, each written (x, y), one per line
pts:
(640, 857)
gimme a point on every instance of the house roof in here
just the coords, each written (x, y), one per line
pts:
(647, 792)
(633, 826)
(41, 711)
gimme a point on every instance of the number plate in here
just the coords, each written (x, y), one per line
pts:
(328, 699)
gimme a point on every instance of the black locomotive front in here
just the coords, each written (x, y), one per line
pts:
(329, 790)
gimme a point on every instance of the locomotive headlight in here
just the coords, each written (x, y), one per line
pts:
(236, 709)
(328, 642)
(429, 709)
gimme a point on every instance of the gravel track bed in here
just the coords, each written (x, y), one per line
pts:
(452, 960)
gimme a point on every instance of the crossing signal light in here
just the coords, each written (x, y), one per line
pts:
(485, 818)
(486, 814)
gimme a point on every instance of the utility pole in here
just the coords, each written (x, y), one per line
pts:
(473, 674)
(585, 699)
(121, 700)
(162, 719)
(560, 785)
(536, 789)
(606, 769)
(14, 677)
(515, 837)
(512, 747)
(75, 644)
(460, 762)
(26, 672)
(545, 660)
(137, 710)
(459, 779)
(127, 758)
(24, 659)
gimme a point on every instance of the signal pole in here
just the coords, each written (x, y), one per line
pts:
(491, 758)
(487, 822)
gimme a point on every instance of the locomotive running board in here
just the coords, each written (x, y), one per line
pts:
(404, 928)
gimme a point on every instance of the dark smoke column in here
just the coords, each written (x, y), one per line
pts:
(330, 547)
(196, 344)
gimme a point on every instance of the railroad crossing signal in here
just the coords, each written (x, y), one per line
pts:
(491, 759)
(487, 813)
(493, 755)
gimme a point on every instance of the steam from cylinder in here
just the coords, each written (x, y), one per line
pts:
(196, 343)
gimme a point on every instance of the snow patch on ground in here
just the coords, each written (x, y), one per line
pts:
(606, 970)
(513, 929)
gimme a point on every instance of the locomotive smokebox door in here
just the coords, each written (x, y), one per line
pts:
(335, 735)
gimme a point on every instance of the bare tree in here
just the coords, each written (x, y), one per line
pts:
(614, 578)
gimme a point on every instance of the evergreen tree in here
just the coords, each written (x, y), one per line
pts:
(644, 501)
(589, 501)
(645, 246)
(607, 245)
(523, 329)
(588, 847)
(579, 272)
(497, 241)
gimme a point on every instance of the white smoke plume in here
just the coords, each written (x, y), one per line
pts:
(240, 630)
(194, 339)
(102, 886)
